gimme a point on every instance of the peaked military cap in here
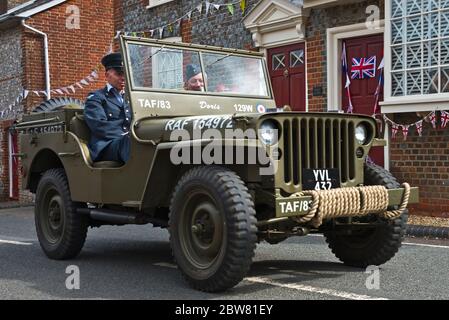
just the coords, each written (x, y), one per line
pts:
(113, 60)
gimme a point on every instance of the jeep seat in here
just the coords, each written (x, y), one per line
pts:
(79, 127)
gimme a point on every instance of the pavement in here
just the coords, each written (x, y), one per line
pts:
(134, 262)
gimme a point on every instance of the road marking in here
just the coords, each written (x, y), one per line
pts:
(406, 243)
(425, 245)
(165, 264)
(16, 242)
(300, 287)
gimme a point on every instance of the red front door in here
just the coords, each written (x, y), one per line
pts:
(287, 72)
(362, 90)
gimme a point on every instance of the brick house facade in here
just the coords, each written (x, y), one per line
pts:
(73, 53)
(321, 25)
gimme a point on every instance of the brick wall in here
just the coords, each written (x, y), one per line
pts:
(73, 53)
(423, 162)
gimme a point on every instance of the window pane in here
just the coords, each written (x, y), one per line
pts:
(414, 55)
(397, 31)
(430, 84)
(235, 74)
(430, 53)
(445, 79)
(430, 5)
(414, 82)
(158, 67)
(444, 4)
(397, 82)
(397, 58)
(444, 51)
(296, 58)
(278, 61)
(413, 6)
(431, 26)
(397, 8)
(414, 28)
(444, 25)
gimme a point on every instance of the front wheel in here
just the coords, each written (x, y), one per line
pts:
(60, 230)
(212, 228)
(370, 246)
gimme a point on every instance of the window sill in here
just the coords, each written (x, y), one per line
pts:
(154, 4)
(415, 103)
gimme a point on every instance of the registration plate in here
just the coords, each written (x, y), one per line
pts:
(320, 179)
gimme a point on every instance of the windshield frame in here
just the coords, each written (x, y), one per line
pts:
(126, 41)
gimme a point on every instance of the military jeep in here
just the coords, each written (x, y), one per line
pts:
(222, 169)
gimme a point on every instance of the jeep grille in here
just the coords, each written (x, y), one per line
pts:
(313, 143)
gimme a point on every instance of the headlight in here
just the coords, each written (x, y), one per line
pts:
(361, 133)
(268, 132)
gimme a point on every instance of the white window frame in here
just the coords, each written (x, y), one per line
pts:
(334, 37)
(406, 103)
(155, 3)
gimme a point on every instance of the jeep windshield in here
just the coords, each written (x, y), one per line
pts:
(163, 67)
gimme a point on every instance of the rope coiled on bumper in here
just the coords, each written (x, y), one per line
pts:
(351, 202)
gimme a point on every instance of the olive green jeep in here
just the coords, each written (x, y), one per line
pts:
(222, 169)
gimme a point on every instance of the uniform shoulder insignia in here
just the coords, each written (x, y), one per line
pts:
(90, 96)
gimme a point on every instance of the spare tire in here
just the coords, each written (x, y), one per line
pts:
(57, 103)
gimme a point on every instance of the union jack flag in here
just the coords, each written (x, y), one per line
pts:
(363, 68)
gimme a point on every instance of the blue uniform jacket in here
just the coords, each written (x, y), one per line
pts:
(107, 118)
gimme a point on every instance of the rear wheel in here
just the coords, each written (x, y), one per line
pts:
(212, 228)
(370, 246)
(60, 230)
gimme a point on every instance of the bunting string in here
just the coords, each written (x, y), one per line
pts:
(430, 117)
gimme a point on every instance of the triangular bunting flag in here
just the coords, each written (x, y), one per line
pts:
(394, 129)
(161, 32)
(90, 79)
(66, 91)
(71, 87)
(79, 85)
(200, 8)
(419, 127)
(405, 131)
(243, 6)
(94, 74)
(217, 6)
(59, 91)
(207, 7)
(84, 82)
(25, 93)
(36, 93)
(189, 15)
(231, 8)
(170, 28)
(444, 118)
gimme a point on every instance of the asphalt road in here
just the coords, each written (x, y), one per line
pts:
(134, 262)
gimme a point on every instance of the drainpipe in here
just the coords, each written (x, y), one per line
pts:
(47, 65)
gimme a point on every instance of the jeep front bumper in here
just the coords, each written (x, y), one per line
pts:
(297, 206)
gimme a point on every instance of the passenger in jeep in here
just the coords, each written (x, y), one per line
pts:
(108, 115)
(195, 79)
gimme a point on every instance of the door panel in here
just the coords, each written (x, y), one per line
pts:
(287, 72)
(362, 90)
